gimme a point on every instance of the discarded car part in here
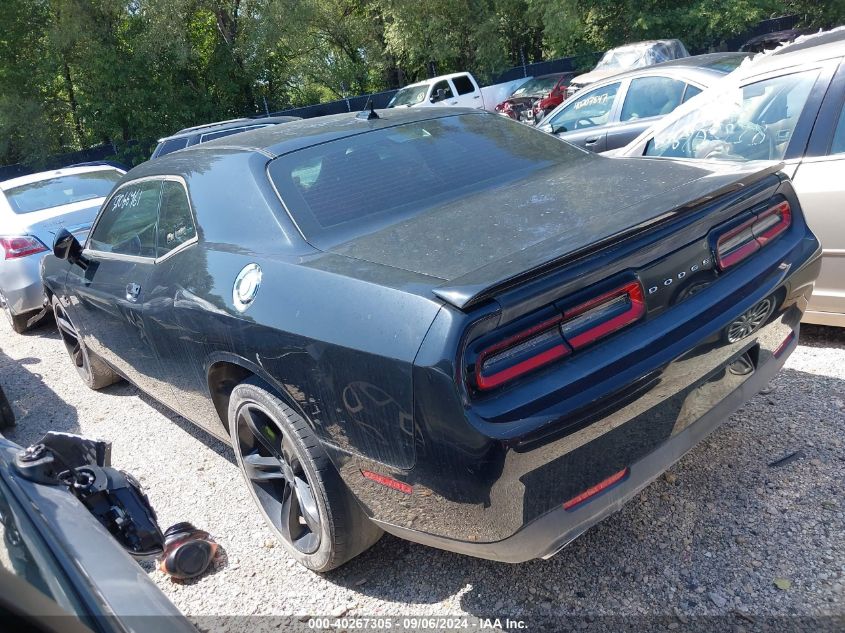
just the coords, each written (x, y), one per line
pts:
(114, 497)
(67, 573)
(188, 551)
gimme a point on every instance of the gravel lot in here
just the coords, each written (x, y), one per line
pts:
(715, 536)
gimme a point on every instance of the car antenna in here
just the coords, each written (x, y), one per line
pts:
(369, 112)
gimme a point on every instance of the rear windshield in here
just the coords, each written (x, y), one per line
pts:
(54, 192)
(358, 184)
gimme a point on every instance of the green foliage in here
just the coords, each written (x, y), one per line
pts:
(77, 73)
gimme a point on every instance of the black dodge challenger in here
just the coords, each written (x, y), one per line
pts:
(444, 325)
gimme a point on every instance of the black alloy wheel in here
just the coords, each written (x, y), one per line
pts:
(293, 482)
(278, 480)
(91, 368)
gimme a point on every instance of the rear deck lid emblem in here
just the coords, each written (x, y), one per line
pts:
(246, 286)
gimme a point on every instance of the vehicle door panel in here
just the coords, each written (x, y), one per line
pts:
(646, 99)
(109, 317)
(583, 121)
(179, 278)
(109, 295)
(818, 181)
(467, 93)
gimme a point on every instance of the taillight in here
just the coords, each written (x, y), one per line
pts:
(16, 247)
(737, 243)
(520, 354)
(559, 336)
(607, 313)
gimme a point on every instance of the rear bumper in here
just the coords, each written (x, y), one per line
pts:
(552, 531)
(20, 284)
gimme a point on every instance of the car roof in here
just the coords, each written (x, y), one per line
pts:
(817, 47)
(55, 173)
(423, 82)
(227, 125)
(643, 44)
(276, 140)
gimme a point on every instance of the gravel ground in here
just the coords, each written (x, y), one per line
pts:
(714, 537)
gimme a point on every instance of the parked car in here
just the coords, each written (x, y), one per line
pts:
(613, 112)
(411, 324)
(203, 133)
(32, 209)
(455, 90)
(786, 106)
(61, 571)
(536, 97)
(627, 57)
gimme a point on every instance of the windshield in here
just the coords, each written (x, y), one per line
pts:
(731, 122)
(54, 192)
(538, 86)
(364, 182)
(409, 96)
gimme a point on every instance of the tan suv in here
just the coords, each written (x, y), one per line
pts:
(783, 106)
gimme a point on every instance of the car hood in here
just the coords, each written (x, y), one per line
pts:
(46, 223)
(484, 239)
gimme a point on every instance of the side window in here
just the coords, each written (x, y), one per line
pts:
(175, 223)
(588, 110)
(463, 85)
(651, 96)
(838, 145)
(442, 85)
(128, 223)
(691, 92)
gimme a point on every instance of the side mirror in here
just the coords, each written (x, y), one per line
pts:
(67, 247)
(440, 95)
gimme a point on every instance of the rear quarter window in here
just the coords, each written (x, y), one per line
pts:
(463, 85)
(355, 185)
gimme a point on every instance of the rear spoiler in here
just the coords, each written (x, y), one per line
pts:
(480, 285)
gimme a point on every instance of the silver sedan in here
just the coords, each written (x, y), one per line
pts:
(32, 209)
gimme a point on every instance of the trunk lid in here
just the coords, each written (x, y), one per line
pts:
(486, 240)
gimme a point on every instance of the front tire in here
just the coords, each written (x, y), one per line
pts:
(293, 482)
(93, 370)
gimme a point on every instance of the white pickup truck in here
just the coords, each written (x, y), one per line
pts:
(459, 90)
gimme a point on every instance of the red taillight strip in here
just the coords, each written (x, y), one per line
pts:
(635, 311)
(741, 241)
(547, 356)
(21, 246)
(384, 480)
(589, 493)
(529, 364)
(767, 233)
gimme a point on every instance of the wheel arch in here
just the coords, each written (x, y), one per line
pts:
(225, 371)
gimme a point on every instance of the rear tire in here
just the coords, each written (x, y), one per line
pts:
(93, 370)
(17, 321)
(292, 481)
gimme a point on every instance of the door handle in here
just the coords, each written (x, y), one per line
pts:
(592, 141)
(477, 97)
(132, 292)
(453, 102)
